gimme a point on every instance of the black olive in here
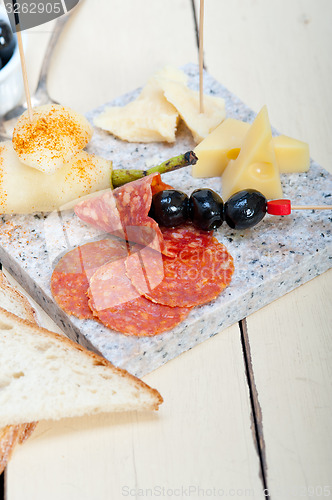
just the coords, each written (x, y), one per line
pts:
(206, 209)
(7, 42)
(170, 208)
(245, 209)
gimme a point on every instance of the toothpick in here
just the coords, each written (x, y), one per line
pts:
(24, 74)
(201, 55)
(284, 207)
(311, 207)
(22, 57)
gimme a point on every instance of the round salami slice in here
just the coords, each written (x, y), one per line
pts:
(184, 237)
(127, 312)
(69, 292)
(70, 278)
(198, 271)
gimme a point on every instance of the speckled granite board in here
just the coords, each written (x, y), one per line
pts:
(270, 260)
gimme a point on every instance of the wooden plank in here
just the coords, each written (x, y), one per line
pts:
(200, 438)
(291, 354)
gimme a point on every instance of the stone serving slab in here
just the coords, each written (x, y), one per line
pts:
(270, 259)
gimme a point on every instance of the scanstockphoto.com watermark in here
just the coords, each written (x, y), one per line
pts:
(197, 492)
(193, 491)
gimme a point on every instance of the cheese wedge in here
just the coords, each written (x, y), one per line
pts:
(256, 166)
(292, 155)
(154, 115)
(222, 145)
(170, 73)
(186, 101)
(55, 134)
(25, 190)
(150, 117)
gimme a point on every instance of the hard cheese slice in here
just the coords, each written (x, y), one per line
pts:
(186, 101)
(225, 142)
(256, 166)
(169, 73)
(149, 118)
(222, 145)
(292, 155)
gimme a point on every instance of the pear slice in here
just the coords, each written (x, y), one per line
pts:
(55, 134)
(25, 190)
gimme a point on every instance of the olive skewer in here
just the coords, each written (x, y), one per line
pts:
(206, 210)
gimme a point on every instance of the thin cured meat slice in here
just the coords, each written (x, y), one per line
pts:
(70, 278)
(184, 237)
(127, 312)
(198, 271)
(88, 257)
(124, 212)
(69, 292)
(110, 286)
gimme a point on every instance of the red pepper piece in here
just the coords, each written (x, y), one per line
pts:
(279, 207)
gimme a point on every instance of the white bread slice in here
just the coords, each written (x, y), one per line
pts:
(44, 375)
(12, 300)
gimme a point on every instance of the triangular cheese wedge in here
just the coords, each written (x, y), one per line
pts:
(219, 147)
(186, 101)
(150, 117)
(147, 119)
(292, 155)
(168, 73)
(44, 375)
(256, 166)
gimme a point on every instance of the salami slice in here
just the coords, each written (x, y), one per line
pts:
(117, 304)
(186, 237)
(198, 270)
(70, 278)
(124, 211)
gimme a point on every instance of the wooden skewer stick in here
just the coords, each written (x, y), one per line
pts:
(311, 207)
(201, 56)
(24, 74)
(22, 57)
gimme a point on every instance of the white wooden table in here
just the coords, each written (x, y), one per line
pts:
(250, 409)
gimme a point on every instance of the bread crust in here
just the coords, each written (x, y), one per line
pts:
(11, 435)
